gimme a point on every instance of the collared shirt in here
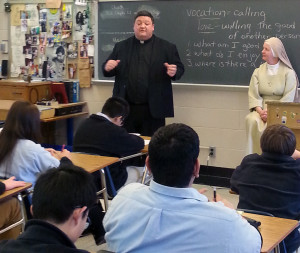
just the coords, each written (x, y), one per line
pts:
(27, 160)
(137, 89)
(166, 219)
(103, 115)
(40, 236)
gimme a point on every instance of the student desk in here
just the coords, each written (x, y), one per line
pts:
(14, 191)
(92, 163)
(273, 230)
(145, 149)
(11, 193)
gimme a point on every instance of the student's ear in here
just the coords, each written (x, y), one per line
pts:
(147, 164)
(196, 168)
(78, 214)
(117, 120)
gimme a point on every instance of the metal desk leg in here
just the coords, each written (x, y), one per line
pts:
(104, 189)
(21, 221)
(144, 174)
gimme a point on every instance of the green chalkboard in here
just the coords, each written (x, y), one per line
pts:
(219, 41)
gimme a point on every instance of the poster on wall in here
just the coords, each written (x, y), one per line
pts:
(81, 21)
(56, 62)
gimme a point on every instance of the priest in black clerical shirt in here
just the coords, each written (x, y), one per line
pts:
(144, 67)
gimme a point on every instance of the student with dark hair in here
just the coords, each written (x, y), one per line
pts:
(270, 182)
(102, 134)
(20, 154)
(59, 209)
(144, 67)
(170, 216)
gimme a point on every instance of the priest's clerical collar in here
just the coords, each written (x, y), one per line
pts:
(144, 41)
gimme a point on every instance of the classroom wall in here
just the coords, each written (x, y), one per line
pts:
(216, 113)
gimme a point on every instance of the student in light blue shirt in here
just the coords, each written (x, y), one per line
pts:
(170, 216)
(20, 154)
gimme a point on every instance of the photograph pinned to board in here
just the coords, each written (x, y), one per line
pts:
(28, 39)
(50, 41)
(87, 39)
(35, 30)
(83, 51)
(35, 40)
(80, 22)
(56, 63)
(67, 11)
(24, 26)
(27, 51)
(33, 19)
(66, 29)
(72, 67)
(34, 52)
(53, 17)
(72, 50)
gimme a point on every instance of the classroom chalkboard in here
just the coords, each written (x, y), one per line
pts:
(219, 41)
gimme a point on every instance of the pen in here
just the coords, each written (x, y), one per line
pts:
(63, 147)
(215, 194)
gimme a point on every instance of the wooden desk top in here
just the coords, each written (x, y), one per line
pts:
(92, 163)
(273, 229)
(21, 83)
(14, 191)
(145, 149)
(67, 116)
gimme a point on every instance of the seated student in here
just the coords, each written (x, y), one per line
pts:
(10, 209)
(20, 154)
(102, 134)
(270, 182)
(170, 216)
(60, 211)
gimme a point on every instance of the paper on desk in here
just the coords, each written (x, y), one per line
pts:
(146, 142)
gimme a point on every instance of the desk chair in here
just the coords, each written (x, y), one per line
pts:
(107, 183)
(147, 176)
(22, 221)
(278, 247)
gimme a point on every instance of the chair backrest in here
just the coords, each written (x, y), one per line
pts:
(106, 182)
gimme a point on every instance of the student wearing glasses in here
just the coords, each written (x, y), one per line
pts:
(58, 219)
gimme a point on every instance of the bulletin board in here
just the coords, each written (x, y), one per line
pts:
(52, 43)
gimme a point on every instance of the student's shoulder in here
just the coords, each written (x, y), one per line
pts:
(132, 189)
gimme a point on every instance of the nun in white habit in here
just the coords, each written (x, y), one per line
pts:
(273, 80)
